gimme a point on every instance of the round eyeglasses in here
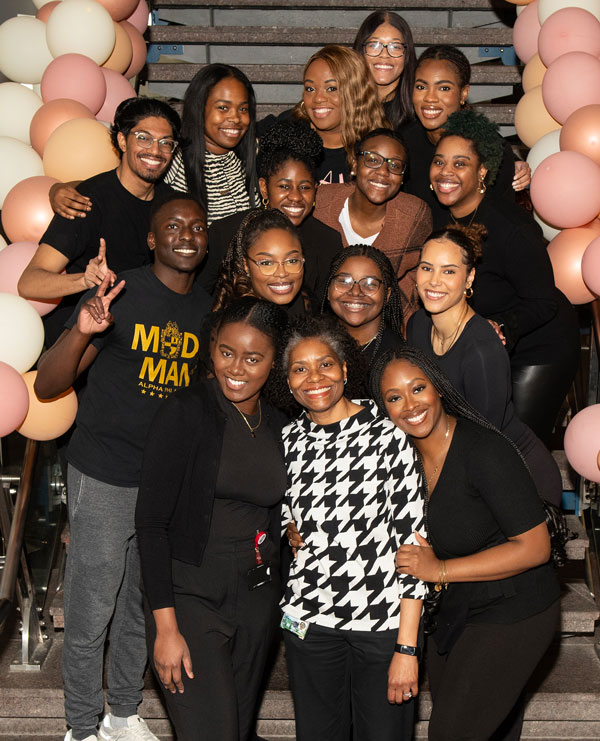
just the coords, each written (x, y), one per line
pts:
(374, 48)
(374, 160)
(367, 285)
(145, 141)
(269, 267)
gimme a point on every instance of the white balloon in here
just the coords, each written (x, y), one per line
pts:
(24, 53)
(18, 105)
(21, 332)
(520, 8)
(19, 161)
(81, 27)
(2, 243)
(549, 231)
(544, 147)
(547, 7)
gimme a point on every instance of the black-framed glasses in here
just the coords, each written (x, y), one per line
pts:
(374, 160)
(367, 285)
(394, 48)
(145, 141)
(269, 267)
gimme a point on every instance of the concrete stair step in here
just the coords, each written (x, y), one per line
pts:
(341, 4)
(579, 611)
(577, 547)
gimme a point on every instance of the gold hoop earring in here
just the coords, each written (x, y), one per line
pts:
(265, 202)
(430, 186)
(302, 108)
(482, 187)
(468, 292)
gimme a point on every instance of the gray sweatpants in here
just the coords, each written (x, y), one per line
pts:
(102, 596)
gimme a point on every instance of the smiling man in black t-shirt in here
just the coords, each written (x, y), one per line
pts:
(140, 339)
(113, 213)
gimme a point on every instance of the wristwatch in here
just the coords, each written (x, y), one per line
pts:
(408, 650)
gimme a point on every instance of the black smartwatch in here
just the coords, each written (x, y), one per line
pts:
(408, 650)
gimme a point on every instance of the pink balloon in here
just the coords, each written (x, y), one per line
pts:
(569, 29)
(139, 17)
(582, 441)
(526, 31)
(570, 82)
(566, 252)
(119, 9)
(14, 399)
(565, 189)
(26, 212)
(50, 116)
(76, 77)
(590, 266)
(13, 260)
(139, 50)
(44, 12)
(118, 89)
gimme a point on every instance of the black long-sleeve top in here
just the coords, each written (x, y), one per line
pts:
(179, 481)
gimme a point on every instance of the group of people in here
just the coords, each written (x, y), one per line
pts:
(319, 356)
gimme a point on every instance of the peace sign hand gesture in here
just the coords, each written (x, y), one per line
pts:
(95, 316)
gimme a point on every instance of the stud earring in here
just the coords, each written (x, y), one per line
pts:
(430, 186)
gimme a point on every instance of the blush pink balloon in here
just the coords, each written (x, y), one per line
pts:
(582, 441)
(566, 253)
(581, 132)
(44, 12)
(13, 260)
(590, 266)
(140, 51)
(569, 29)
(14, 399)
(565, 189)
(118, 89)
(139, 17)
(50, 116)
(26, 211)
(526, 31)
(119, 9)
(76, 77)
(570, 82)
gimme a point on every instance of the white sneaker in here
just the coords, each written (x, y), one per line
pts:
(135, 730)
(69, 737)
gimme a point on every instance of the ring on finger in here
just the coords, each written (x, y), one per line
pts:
(408, 694)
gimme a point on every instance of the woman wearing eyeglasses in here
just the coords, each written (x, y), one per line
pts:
(265, 260)
(373, 210)
(386, 43)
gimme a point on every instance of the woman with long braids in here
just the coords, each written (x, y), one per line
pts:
(487, 553)
(466, 347)
(362, 291)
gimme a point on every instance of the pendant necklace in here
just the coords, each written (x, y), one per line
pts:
(248, 425)
(454, 337)
(435, 470)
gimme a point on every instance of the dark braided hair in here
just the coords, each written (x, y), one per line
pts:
(392, 315)
(456, 405)
(452, 55)
(483, 135)
(288, 141)
(234, 282)
(468, 238)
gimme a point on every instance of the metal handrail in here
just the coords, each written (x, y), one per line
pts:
(17, 530)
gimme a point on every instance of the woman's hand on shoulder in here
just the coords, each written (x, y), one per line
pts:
(418, 560)
(403, 678)
(522, 176)
(68, 202)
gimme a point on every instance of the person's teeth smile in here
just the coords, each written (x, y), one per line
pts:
(281, 288)
(234, 384)
(435, 295)
(417, 419)
(431, 112)
(354, 305)
(185, 250)
(318, 391)
(445, 186)
(379, 184)
(293, 210)
(321, 112)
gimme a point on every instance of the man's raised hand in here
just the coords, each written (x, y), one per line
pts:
(95, 316)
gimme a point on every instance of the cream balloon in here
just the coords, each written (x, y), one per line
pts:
(532, 120)
(544, 147)
(24, 53)
(21, 332)
(121, 56)
(81, 27)
(533, 73)
(47, 419)
(19, 161)
(547, 7)
(2, 243)
(18, 104)
(79, 149)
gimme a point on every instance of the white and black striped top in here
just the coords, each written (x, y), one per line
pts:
(225, 180)
(355, 493)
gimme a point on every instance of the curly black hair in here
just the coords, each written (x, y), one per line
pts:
(288, 141)
(233, 281)
(392, 308)
(483, 135)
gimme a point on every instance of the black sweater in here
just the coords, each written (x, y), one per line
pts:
(178, 483)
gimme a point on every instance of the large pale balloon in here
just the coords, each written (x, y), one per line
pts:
(581, 132)
(120, 59)
(118, 89)
(76, 77)
(544, 147)
(21, 332)
(14, 399)
(13, 261)
(47, 419)
(569, 29)
(547, 7)
(525, 33)
(570, 82)
(532, 120)
(18, 161)
(26, 212)
(24, 53)
(81, 27)
(533, 74)
(79, 149)
(18, 105)
(566, 253)
(582, 442)
(139, 17)
(50, 116)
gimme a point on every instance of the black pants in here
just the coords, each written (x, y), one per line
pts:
(229, 631)
(476, 685)
(339, 681)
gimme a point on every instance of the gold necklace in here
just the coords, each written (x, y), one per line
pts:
(435, 470)
(456, 221)
(441, 340)
(243, 416)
